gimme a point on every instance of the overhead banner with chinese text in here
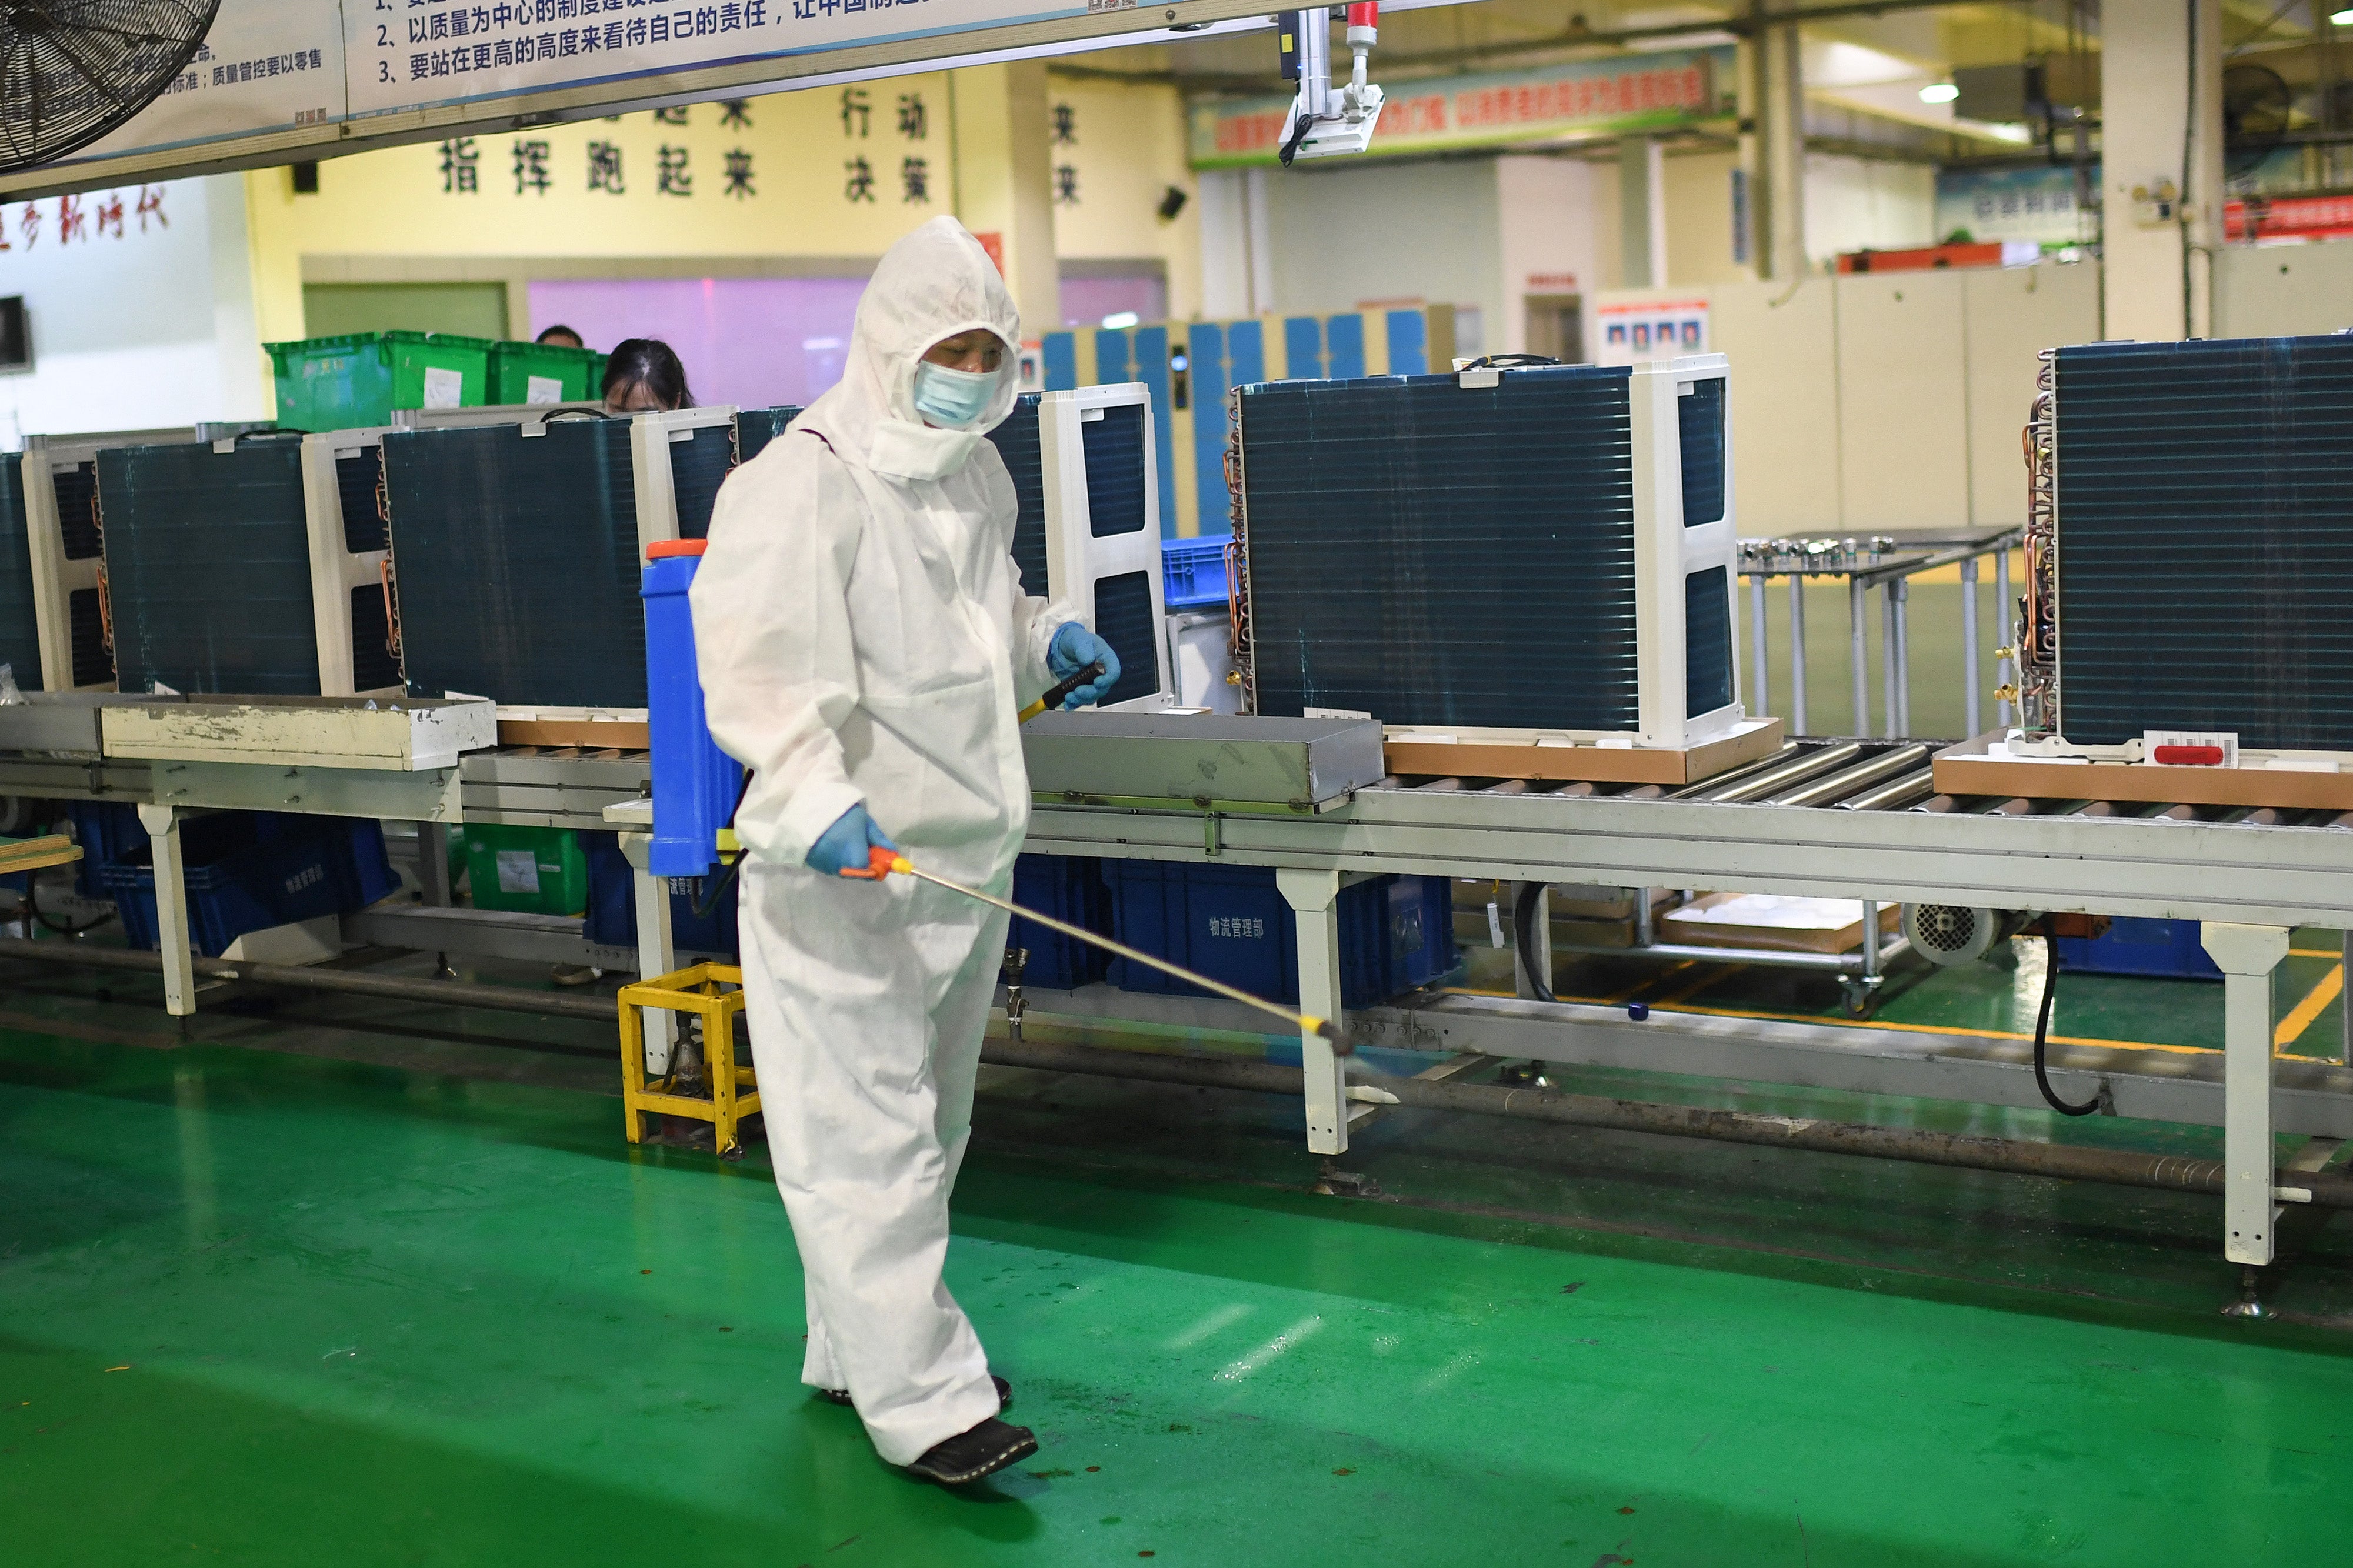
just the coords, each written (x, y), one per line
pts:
(1589, 98)
(366, 72)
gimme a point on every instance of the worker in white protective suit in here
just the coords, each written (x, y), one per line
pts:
(865, 645)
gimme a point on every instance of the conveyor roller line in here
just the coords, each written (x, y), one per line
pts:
(1787, 752)
(1796, 770)
(1846, 781)
(1895, 794)
(1912, 1144)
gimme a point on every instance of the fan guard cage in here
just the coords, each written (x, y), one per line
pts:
(73, 71)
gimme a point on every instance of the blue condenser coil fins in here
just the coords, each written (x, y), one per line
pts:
(208, 567)
(1017, 442)
(698, 466)
(1431, 553)
(20, 631)
(516, 561)
(2204, 525)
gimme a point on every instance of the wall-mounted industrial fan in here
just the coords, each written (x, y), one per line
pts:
(72, 70)
(2255, 100)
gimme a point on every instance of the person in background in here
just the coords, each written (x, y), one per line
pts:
(560, 337)
(644, 376)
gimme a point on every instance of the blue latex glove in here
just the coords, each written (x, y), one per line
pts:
(843, 848)
(1073, 648)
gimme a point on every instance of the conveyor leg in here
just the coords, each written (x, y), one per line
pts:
(1971, 685)
(1761, 699)
(656, 954)
(163, 826)
(2003, 616)
(2247, 955)
(1858, 658)
(1312, 896)
(1537, 960)
(1797, 654)
(433, 863)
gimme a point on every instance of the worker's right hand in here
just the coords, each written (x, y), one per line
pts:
(845, 849)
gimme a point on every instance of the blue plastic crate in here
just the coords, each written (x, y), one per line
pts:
(110, 833)
(695, 784)
(1193, 571)
(1069, 887)
(2167, 950)
(613, 905)
(1233, 923)
(246, 871)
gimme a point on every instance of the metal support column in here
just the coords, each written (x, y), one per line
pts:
(1858, 657)
(1760, 693)
(2004, 670)
(1887, 659)
(656, 955)
(433, 863)
(1970, 684)
(1312, 896)
(163, 826)
(1538, 959)
(1899, 627)
(2247, 955)
(1797, 653)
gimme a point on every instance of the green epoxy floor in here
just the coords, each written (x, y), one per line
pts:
(383, 1289)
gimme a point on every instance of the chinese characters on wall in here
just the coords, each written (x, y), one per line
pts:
(860, 176)
(79, 219)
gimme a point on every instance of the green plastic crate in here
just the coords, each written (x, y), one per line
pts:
(577, 374)
(538, 871)
(345, 382)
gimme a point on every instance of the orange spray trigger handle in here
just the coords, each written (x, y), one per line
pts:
(880, 861)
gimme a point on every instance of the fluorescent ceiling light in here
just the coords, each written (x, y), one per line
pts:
(1121, 318)
(1939, 93)
(2343, 18)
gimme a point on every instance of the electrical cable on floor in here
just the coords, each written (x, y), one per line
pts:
(2043, 1030)
(1524, 929)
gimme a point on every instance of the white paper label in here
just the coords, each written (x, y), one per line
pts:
(518, 871)
(443, 388)
(1494, 925)
(543, 389)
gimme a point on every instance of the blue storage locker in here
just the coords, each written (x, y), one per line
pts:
(1245, 355)
(1410, 343)
(1233, 924)
(1152, 368)
(1303, 350)
(1058, 354)
(1208, 345)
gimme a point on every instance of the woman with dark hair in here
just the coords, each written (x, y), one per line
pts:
(644, 375)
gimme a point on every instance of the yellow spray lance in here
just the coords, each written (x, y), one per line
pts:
(881, 863)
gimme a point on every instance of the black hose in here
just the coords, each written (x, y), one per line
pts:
(28, 909)
(708, 904)
(2042, 1031)
(1523, 935)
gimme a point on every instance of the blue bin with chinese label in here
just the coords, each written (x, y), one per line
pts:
(2161, 950)
(1070, 888)
(246, 871)
(696, 784)
(1233, 923)
(613, 905)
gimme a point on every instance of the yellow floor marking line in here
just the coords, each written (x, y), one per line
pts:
(1925, 1028)
(2331, 986)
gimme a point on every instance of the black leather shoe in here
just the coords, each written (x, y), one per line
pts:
(965, 1458)
(1004, 1394)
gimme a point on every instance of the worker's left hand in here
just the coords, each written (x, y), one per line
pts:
(1073, 648)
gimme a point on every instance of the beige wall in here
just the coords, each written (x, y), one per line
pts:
(1889, 400)
(984, 155)
(1699, 220)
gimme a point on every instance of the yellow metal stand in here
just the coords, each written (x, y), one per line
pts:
(713, 992)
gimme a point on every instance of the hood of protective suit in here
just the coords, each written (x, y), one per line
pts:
(933, 284)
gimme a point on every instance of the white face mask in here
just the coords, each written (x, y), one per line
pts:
(952, 399)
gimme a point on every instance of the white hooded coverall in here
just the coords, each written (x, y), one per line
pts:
(863, 636)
